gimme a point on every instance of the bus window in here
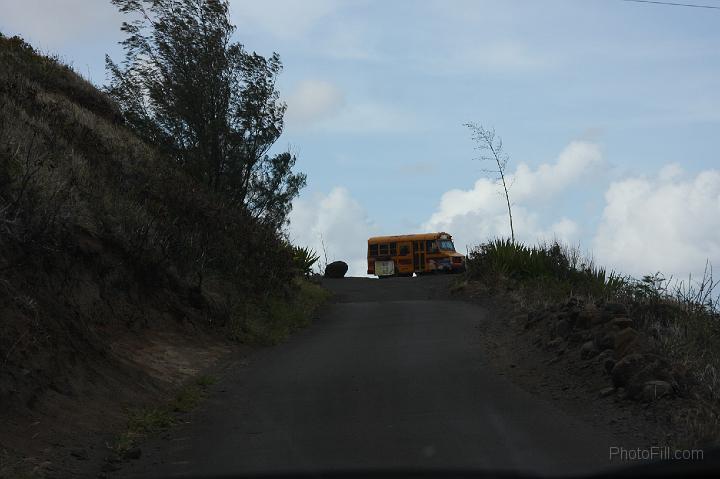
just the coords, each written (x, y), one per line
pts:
(447, 245)
(404, 250)
(431, 246)
(373, 250)
(393, 249)
(383, 249)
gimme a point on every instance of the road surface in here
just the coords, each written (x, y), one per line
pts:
(391, 376)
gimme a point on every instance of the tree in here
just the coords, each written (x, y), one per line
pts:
(208, 104)
(492, 150)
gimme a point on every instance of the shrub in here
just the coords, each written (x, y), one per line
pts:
(304, 259)
(552, 263)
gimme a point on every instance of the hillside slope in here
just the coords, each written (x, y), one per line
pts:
(119, 276)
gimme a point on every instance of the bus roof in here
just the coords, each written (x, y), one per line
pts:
(414, 237)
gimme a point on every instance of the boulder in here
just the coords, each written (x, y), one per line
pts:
(608, 391)
(626, 368)
(634, 370)
(587, 317)
(588, 350)
(559, 328)
(621, 322)
(336, 269)
(615, 309)
(655, 368)
(606, 359)
(605, 340)
(624, 341)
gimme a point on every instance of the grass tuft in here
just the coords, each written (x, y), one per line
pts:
(149, 421)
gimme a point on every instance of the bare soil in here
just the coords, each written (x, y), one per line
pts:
(69, 432)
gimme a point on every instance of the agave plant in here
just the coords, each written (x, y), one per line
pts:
(304, 259)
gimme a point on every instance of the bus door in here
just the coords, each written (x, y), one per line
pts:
(404, 257)
(419, 255)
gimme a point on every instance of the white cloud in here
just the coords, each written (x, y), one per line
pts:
(340, 221)
(313, 101)
(475, 215)
(578, 159)
(564, 229)
(668, 223)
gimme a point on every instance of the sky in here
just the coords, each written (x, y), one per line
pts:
(609, 111)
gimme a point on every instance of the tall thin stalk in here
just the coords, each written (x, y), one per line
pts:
(486, 142)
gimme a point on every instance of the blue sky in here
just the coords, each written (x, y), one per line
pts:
(609, 111)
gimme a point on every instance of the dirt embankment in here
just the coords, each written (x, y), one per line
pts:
(588, 359)
(89, 343)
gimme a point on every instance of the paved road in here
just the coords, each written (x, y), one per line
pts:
(391, 376)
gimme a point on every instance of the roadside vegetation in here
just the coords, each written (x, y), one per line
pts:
(651, 331)
(125, 210)
(148, 421)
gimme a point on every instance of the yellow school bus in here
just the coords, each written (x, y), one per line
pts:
(404, 255)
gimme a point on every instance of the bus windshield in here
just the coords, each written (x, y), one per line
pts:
(446, 245)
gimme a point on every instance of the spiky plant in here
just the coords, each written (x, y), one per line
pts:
(304, 259)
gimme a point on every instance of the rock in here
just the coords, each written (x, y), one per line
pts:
(605, 392)
(132, 453)
(576, 337)
(655, 389)
(615, 309)
(80, 454)
(608, 364)
(533, 317)
(606, 359)
(584, 319)
(588, 350)
(336, 269)
(626, 368)
(600, 318)
(654, 368)
(634, 370)
(110, 467)
(624, 340)
(605, 340)
(562, 328)
(621, 323)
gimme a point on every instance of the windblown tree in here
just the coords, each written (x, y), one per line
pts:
(208, 104)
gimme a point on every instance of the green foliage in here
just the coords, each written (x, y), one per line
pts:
(551, 263)
(144, 422)
(304, 259)
(281, 315)
(208, 104)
